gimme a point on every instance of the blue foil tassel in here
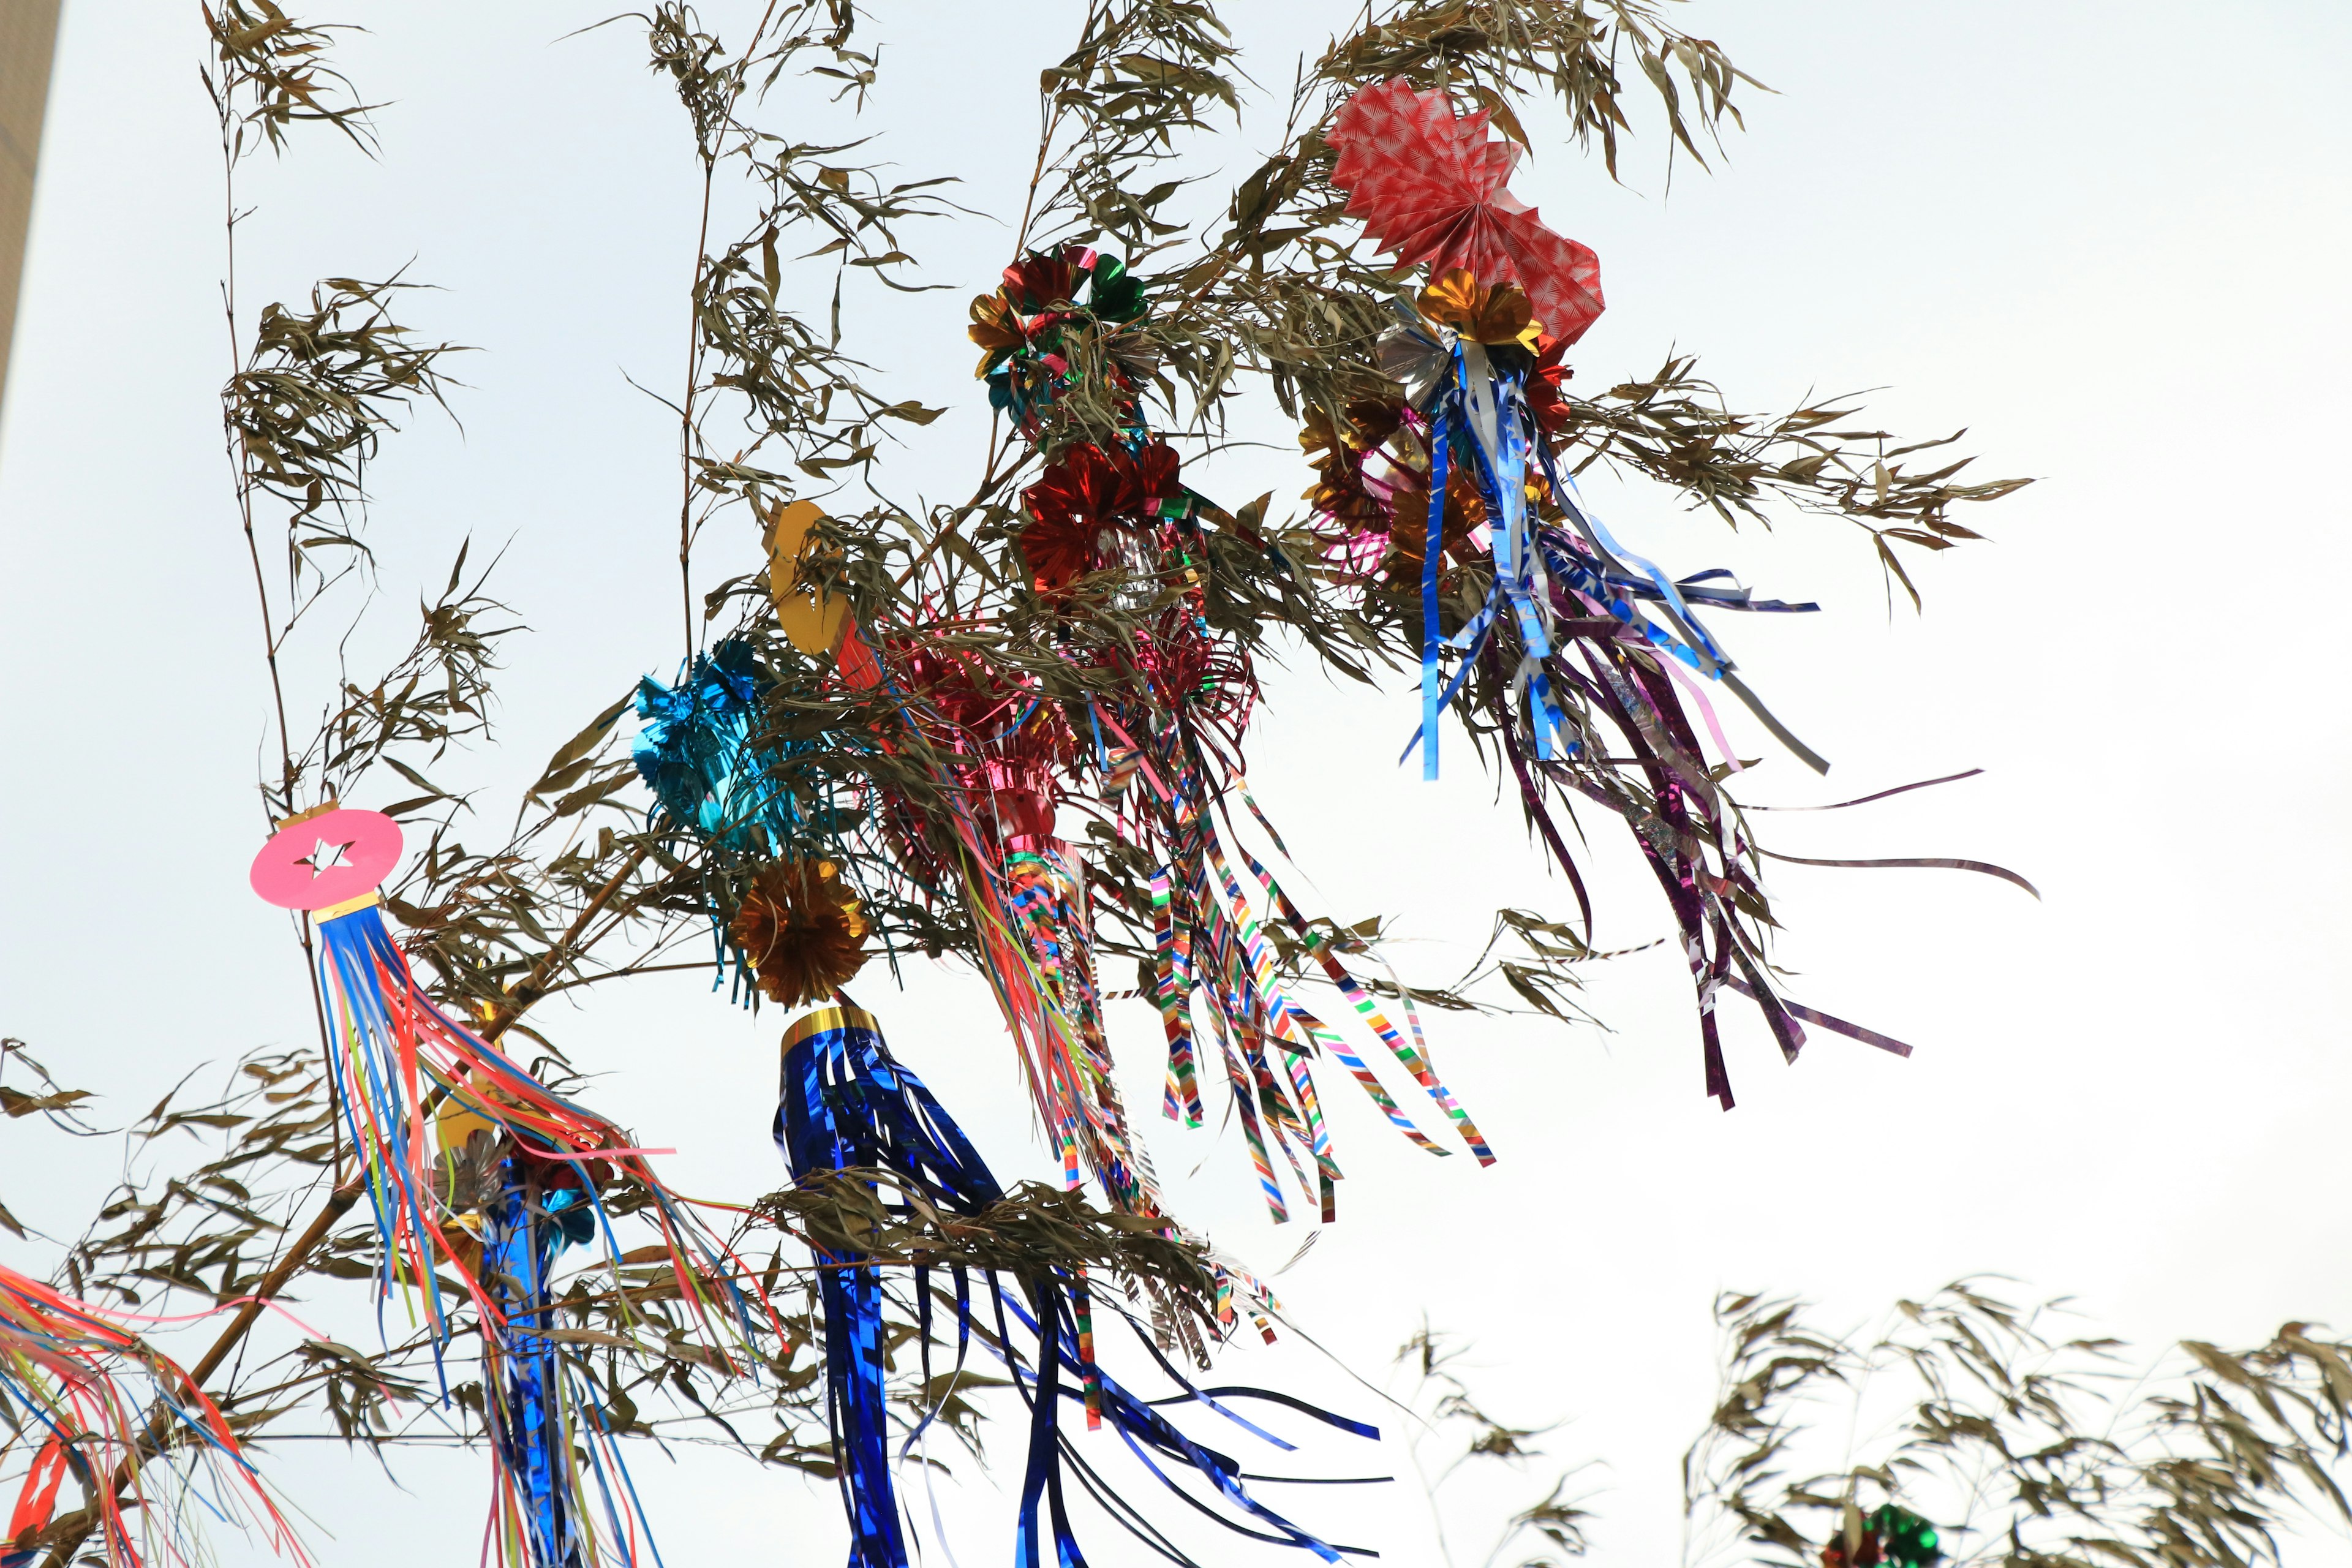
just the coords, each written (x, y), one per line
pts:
(846, 1103)
(527, 1409)
(1431, 704)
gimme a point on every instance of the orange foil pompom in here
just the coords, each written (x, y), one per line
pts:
(803, 931)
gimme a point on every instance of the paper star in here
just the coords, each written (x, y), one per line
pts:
(326, 858)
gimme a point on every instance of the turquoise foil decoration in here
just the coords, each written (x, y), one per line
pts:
(701, 753)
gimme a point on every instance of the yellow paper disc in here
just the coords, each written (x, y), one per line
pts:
(813, 619)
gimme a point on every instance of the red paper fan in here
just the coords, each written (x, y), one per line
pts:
(1429, 186)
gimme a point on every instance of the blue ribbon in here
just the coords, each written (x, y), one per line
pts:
(1431, 704)
(1500, 460)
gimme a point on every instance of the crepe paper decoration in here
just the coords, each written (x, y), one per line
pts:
(1430, 187)
(1889, 1535)
(507, 1201)
(841, 1106)
(65, 1390)
(1175, 700)
(1028, 897)
(556, 1471)
(803, 931)
(1179, 741)
(848, 1105)
(813, 619)
(397, 1056)
(1339, 450)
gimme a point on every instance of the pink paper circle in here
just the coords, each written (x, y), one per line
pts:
(285, 873)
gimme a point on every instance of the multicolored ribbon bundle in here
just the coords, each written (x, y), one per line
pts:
(1163, 766)
(401, 1056)
(518, 1172)
(1576, 645)
(64, 1387)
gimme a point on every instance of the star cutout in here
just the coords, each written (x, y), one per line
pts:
(326, 858)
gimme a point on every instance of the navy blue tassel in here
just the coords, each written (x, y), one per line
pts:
(848, 1104)
(530, 1422)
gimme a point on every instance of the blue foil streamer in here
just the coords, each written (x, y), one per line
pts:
(847, 1103)
(1431, 704)
(527, 1416)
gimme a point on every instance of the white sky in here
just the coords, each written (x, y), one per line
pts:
(2106, 237)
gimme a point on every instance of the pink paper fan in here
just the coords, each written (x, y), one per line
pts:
(1431, 186)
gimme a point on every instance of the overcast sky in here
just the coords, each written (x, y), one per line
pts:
(2107, 238)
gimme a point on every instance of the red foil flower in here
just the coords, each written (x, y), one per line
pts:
(1089, 490)
(1035, 282)
(1546, 400)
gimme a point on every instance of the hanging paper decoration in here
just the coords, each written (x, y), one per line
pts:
(1576, 631)
(1164, 756)
(1889, 1535)
(518, 1177)
(398, 1055)
(63, 1370)
(849, 1106)
(1180, 736)
(997, 752)
(1003, 753)
(1431, 188)
(814, 619)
